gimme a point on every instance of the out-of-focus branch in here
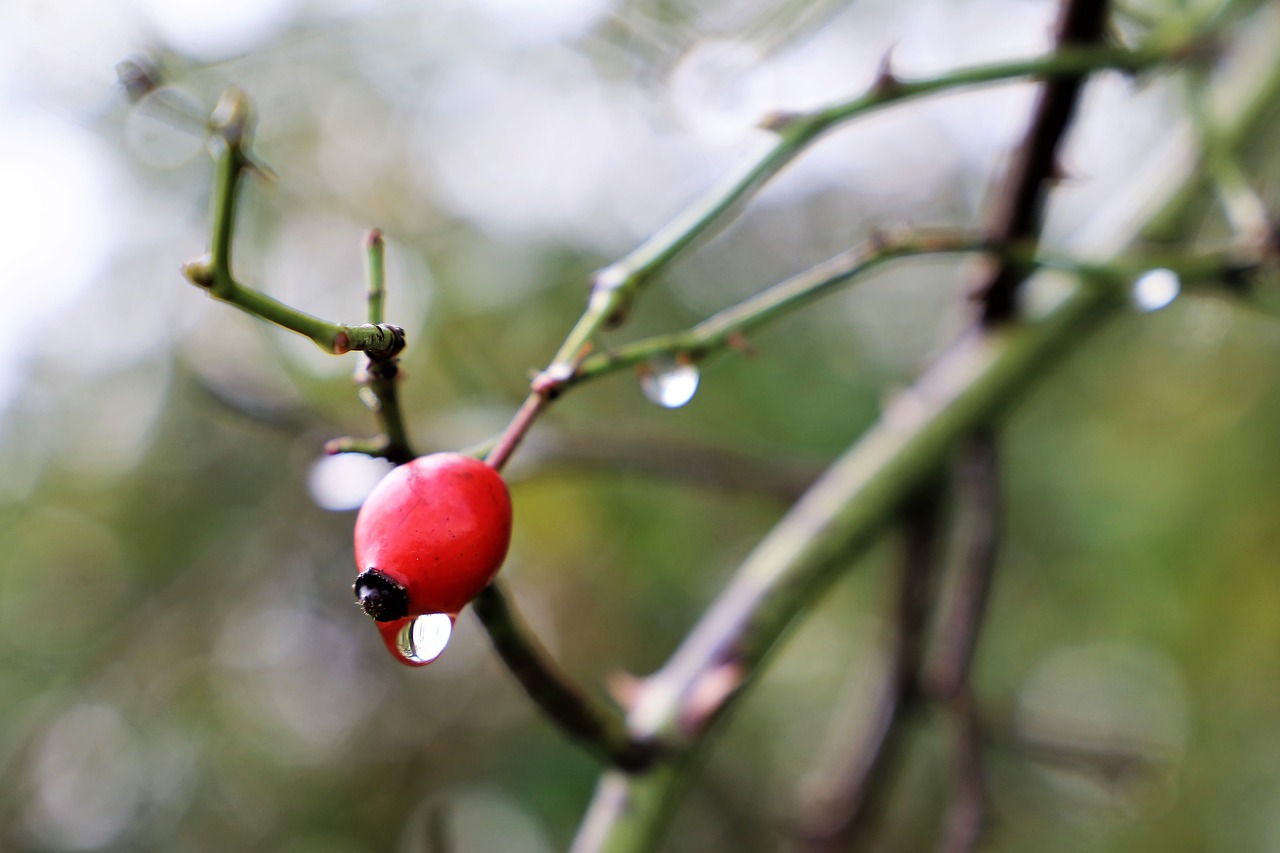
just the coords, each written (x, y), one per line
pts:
(728, 327)
(841, 802)
(968, 586)
(796, 131)
(833, 523)
(232, 123)
(963, 604)
(1243, 208)
(839, 515)
(614, 288)
(1020, 204)
(966, 811)
(726, 330)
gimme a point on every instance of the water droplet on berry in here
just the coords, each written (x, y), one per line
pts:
(669, 382)
(1155, 289)
(421, 639)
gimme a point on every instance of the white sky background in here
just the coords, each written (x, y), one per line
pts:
(524, 139)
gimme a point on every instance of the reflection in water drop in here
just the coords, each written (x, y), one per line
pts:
(417, 640)
(669, 383)
(1155, 289)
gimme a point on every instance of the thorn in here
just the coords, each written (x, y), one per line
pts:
(624, 688)
(374, 240)
(780, 120)
(708, 694)
(878, 240)
(262, 171)
(738, 343)
(886, 83)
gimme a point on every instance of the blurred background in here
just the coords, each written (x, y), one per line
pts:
(181, 666)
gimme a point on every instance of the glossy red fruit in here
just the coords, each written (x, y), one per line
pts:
(430, 537)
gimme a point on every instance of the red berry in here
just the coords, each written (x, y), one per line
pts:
(430, 537)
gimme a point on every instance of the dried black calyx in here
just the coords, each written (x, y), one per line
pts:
(381, 596)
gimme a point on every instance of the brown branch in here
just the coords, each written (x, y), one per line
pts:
(966, 813)
(1020, 209)
(840, 813)
(963, 605)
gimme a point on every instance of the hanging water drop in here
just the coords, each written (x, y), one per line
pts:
(1155, 289)
(669, 382)
(417, 640)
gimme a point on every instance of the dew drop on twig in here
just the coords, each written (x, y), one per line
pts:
(670, 383)
(1156, 289)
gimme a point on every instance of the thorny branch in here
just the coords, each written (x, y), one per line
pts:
(615, 287)
(962, 392)
(1020, 204)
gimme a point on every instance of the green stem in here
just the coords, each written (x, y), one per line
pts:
(384, 368)
(214, 272)
(796, 131)
(375, 275)
(727, 328)
(382, 373)
(615, 287)
(229, 171)
(595, 725)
